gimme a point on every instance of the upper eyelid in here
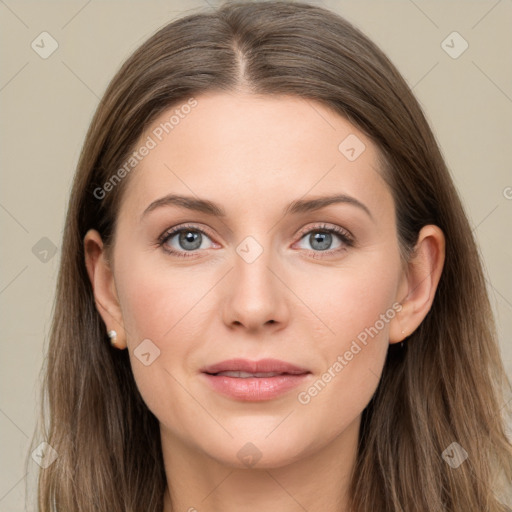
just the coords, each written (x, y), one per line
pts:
(179, 227)
(326, 227)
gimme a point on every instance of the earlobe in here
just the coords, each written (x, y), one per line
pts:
(420, 282)
(103, 285)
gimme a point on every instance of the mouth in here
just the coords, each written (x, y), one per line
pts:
(254, 381)
(248, 375)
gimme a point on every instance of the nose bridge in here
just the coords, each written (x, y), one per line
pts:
(255, 294)
(252, 265)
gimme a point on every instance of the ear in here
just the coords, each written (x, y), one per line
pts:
(419, 283)
(104, 289)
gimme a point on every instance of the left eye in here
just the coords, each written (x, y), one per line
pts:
(322, 239)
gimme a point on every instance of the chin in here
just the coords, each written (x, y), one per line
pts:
(258, 452)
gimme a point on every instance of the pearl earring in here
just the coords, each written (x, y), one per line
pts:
(113, 337)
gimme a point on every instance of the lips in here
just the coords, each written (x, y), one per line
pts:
(254, 381)
(255, 368)
(246, 375)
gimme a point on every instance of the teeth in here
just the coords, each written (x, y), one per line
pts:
(246, 375)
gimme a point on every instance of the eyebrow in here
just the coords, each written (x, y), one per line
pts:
(295, 207)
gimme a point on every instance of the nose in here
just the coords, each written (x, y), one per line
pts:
(256, 296)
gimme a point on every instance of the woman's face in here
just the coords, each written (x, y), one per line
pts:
(267, 279)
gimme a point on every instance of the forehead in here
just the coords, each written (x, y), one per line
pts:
(245, 150)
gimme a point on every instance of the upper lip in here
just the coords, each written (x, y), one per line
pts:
(261, 366)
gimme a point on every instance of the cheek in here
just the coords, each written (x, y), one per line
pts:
(351, 300)
(159, 305)
(155, 299)
(355, 308)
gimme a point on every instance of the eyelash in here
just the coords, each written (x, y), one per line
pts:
(345, 237)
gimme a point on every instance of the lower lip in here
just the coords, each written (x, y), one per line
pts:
(255, 389)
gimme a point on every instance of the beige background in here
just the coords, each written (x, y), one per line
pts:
(47, 104)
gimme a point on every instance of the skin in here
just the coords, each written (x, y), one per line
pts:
(254, 155)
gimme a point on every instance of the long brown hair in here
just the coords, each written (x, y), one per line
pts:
(445, 386)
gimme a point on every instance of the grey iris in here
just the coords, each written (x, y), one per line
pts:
(190, 237)
(324, 239)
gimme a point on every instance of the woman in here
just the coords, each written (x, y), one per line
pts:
(269, 295)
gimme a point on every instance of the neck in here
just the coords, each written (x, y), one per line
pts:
(316, 482)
